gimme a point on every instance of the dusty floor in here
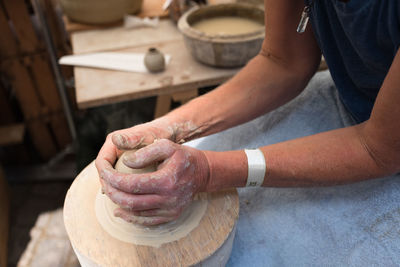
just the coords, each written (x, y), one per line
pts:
(27, 202)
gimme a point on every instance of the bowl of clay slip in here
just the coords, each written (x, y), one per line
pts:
(224, 35)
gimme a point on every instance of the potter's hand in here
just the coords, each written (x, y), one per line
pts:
(132, 138)
(142, 135)
(161, 196)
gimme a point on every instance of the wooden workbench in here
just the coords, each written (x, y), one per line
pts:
(96, 87)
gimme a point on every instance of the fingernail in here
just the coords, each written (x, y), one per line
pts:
(102, 191)
(120, 140)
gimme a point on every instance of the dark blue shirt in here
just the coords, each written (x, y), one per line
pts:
(359, 40)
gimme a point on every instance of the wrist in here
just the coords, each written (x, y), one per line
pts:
(226, 170)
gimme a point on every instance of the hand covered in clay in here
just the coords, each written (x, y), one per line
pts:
(140, 136)
(160, 196)
(131, 138)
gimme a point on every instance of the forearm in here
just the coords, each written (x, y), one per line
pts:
(329, 158)
(260, 87)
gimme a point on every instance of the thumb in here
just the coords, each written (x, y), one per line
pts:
(127, 141)
(158, 151)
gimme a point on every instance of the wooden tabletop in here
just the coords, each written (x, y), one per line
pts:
(95, 87)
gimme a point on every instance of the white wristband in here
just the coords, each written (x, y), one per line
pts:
(256, 167)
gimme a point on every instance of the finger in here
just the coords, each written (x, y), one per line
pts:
(158, 151)
(146, 221)
(107, 156)
(131, 140)
(142, 183)
(174, 212)
(127, 141)
(134, 202)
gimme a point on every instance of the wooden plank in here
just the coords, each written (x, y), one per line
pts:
(45, 83)
(163, 105)
(185, 96)
(32, 107)
(4, 215)
(60, 130)
(23, 85)
(55, 24)
(47, 89)
(8, 45)
(12, 134)
(96, 87)
(6, 113)
(17, 12)
(120, 38)
(42, 138)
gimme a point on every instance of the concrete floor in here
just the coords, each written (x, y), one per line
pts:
(27, 202)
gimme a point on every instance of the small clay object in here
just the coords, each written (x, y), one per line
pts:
(154, 60)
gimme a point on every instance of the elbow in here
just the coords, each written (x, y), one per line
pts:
(303, 68)
(384, 152)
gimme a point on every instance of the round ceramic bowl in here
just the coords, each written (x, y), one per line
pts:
(99, 11)
(222, 50)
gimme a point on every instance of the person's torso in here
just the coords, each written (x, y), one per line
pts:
(359, 40)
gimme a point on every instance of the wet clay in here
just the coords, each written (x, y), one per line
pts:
(147, 235)
(227, 25)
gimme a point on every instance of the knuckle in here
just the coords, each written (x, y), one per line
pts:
(162, 144)
(172, 202)
(170, 185)
(110, 135)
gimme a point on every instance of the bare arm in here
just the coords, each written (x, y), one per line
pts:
(364, 151)
(279, 73)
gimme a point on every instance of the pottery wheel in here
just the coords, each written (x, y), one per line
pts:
(209, 238)
(149, 235)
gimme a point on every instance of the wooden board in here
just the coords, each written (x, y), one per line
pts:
(96, 87)
(12, 134)
(26, 69)
(8, 44)
(45, 83)
(120, 38)
(42, 138)
(55, 25)
(59, 127)
(92, 242)
(4, 215)
(21, 81)
(6, 112)
(17, 11)
(163, 105)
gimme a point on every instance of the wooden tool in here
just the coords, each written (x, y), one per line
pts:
(208, 244)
